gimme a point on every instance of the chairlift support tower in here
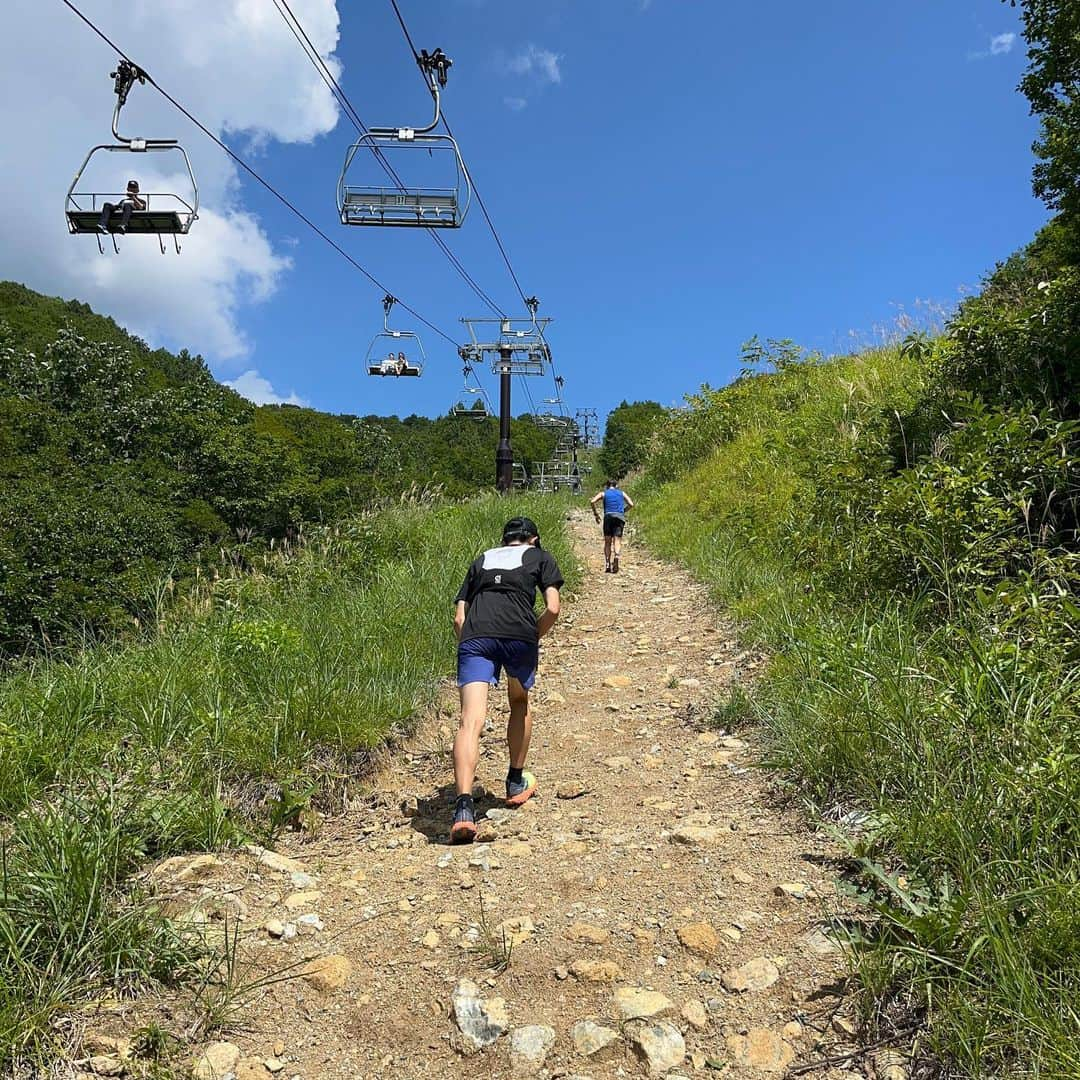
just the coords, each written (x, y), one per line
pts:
(519, 348)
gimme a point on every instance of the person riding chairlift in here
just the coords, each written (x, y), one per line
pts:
(402, 363)
(131, 201)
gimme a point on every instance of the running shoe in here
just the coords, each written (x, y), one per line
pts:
(463, 831)
(615, 565)
(516, 794)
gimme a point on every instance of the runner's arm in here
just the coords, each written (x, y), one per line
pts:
(629, 502)
(550, 612)
(593, 501)
(459, 618)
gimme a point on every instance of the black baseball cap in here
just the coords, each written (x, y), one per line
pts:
(520, 528)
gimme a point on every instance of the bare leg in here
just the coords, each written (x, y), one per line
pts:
(618, 545)
(519, 727)
(474, 702)
(607, 550)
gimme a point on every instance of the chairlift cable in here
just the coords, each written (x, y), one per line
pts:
(476, 190)
(446, 123)
(251, 172)
(347, 107)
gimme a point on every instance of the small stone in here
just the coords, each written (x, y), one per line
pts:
(697, 835)
(274, 1064)
(328, 973)
(794, 890)
(595, 971)
(890, 1065)
(309, 924)
(757, 974)
(279, 1048)
(515, 931)
(275, 861)
(217, 1061)
(106, 1065)
(445, 860)
(562, 972)
(843, 1026)
(200, 868)
(793, 1030)
(820, 943)
(760, 1049)
(431, 940)
(741, 876)
(448, 918)
(275, 928)
(660, 1046)
(618, 763)
(591, 1039)
(251, 1069)
(481, 1021)
(587, 934)
(498, 814)
(693, 1012)
(485, 833)
(618, 682)
(301, 879)
(636, 1003)
(299, 901)
(529, 1047)
(572, 791)
(700, 939)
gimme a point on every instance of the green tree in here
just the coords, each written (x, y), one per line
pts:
(1052, 85)
(626, 437)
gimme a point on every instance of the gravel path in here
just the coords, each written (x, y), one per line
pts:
(662, 913)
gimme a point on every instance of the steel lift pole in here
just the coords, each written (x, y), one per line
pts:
(504, 454)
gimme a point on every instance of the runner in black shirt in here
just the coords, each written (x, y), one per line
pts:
(497, 627)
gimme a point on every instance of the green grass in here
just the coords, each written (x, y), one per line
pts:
(946, 713)
(254, 692)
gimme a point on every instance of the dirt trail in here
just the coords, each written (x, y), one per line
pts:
(672, 871)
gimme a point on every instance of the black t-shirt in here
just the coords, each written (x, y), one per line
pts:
(500, 589)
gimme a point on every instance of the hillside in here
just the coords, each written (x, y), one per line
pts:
(899, 529)
(123, 467)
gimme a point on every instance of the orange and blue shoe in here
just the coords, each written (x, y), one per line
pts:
(521, 791)
(463, 830)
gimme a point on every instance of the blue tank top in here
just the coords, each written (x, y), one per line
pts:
(614, 501)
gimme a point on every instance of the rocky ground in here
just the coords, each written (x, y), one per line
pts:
(653, 910)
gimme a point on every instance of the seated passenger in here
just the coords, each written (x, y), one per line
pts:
(402, 363)
(132, 200)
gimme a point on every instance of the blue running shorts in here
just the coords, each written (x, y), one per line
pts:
(482, 659)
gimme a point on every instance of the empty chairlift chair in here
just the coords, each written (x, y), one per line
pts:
(165, 213)
(397, 344)
(394, 201)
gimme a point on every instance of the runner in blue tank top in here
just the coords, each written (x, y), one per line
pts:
(616, 503)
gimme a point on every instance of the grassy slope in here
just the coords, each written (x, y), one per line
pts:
(956, 736)
(261, 690)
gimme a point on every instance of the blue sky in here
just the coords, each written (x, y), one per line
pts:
(669, 177)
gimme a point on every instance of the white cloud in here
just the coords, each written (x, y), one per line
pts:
(237, 67)
(515, 104)
(1002, 43)
(541, 64)
(259, 390)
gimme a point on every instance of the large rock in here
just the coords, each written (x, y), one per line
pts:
(761, 1049)
(618, 682)
(327, 973)
(592, 1039)
(636, 1003)
(660, 1045)
(529, 1047)
(757, 974)
(218, 1061)
(700, 939)
(275, 861)
(481, 1021)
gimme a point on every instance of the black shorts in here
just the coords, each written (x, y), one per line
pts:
(613, 525)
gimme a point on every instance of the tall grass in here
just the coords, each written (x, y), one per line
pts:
(923, 676)
(256, 688)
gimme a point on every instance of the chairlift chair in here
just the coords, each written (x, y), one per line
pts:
(406, 206)
(166, 213)
(395, 364)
